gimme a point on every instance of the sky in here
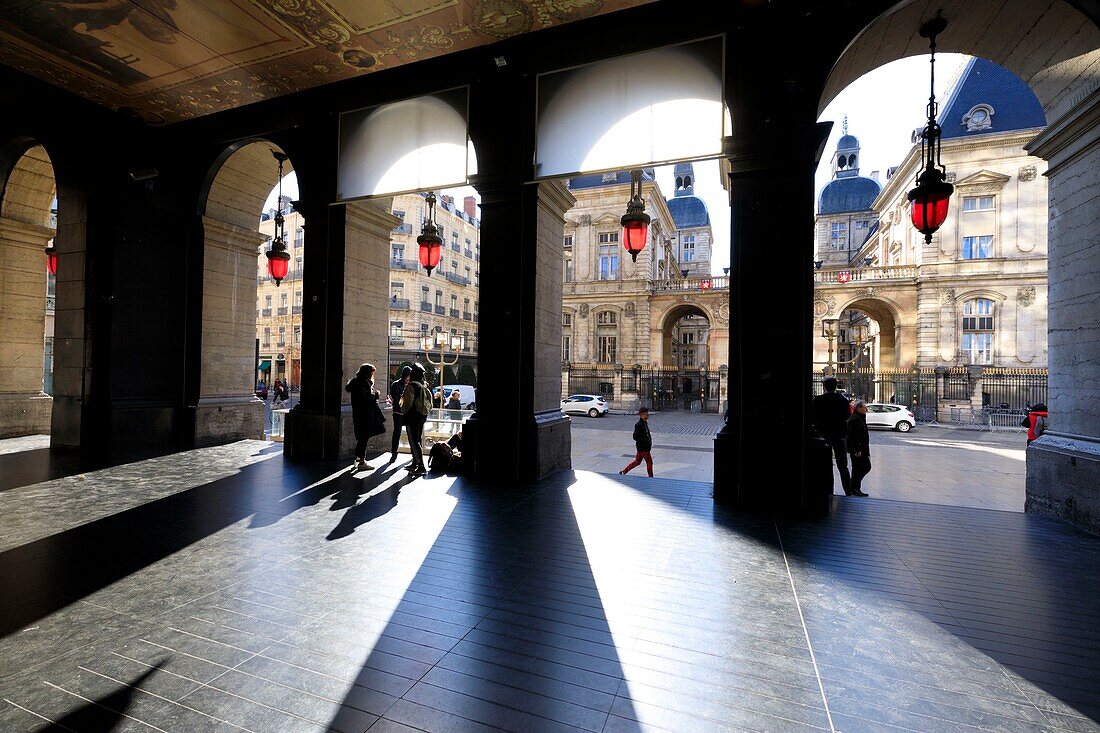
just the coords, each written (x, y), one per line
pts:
(883, 108)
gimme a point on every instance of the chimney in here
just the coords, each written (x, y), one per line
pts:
(469, 205)
(448, 201)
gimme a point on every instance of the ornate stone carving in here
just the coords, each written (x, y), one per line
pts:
(1025, 295)
(586, 220)
(947, 297)
(630, 308)
(1027, 173)
(584, 310)
(868, 292)
(951, 176)
(724, 312)
(820, 308)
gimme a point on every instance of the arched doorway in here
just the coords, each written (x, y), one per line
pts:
(28, 222)
(233, 220)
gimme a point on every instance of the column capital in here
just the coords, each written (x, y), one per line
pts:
(23, 234)
(371, 217)
(795, 148)
(555, 195)
(231, 236)
(1070, 136)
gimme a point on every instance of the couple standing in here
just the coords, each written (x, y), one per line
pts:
(411, 404)
(844, 428)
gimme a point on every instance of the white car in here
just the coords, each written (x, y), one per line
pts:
(467, 395)
(894, 417)
(592, 405)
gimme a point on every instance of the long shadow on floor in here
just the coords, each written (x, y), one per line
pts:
(57, 570)
(103, 714)
(919, 584)
(501, 625)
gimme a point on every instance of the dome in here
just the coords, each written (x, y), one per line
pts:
(848, 194)
(688, 211)
(848, 142)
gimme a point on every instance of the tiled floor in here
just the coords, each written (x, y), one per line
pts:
(225, 590)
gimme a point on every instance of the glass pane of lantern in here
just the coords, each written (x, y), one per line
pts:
(412, 145)
(632, 111)
(278, 267)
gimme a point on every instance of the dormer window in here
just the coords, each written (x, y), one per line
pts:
(980, 117)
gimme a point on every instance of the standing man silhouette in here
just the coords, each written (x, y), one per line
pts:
(396, 388)
(829, 413)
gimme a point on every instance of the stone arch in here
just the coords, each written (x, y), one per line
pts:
(230, 204)
(662, 334)
(27, 189)
(1053, 46)
(890, 318)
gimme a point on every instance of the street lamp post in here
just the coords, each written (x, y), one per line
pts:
(828, 330)
(444, 342)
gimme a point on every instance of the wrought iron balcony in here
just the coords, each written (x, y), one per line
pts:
(467, 315)
(425, 306)
(454, 313)
(403, 228)
(468, 252)
(397, 341)
(283, 310)
(399, 304)
(456, 278)
(404, 264)
(440, 310)
(296, 310)
(265, 312)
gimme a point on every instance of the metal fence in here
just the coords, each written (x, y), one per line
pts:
(695, 390)
(984, 397)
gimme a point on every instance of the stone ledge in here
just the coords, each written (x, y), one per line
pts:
(1063, 479)
(227, 419)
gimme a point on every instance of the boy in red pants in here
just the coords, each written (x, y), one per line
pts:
(643, 441)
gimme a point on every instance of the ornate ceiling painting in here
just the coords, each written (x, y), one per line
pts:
(171, 60)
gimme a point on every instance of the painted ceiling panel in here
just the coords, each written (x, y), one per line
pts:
(171, 60)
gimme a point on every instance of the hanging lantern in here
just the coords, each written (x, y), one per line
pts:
(278, 259)
(431, 244)
(635, 221)
(930, 199)
(51, 258)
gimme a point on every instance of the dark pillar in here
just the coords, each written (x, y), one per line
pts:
(765, 457)
(313, 425)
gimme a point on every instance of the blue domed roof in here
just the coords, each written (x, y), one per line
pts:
(688, 211)
(848, 194)
(848, 142)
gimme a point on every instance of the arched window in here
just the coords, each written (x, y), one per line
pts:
(607, 337)
(977, 330)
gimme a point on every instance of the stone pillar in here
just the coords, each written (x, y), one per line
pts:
(344, 322)
(73, 336)
(367, 227)
(227, 407)
(24, 408)
(764, 456)
(1063, 466)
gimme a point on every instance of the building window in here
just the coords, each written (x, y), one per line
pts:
(423, 328)
(400, 215)
(688, 337)
(566, 348)
(978, 248)
(283, 300)
(977, 203)
(609, 261)
(689, 357)
(567, 319)
(838, 235)
(267, 302)
(297, 335)
(467, 273)
(977, 326)
(299, 237)
(454, 242)
(398, 252)
(282, 335)
(687, 247)
(298, 298)
(454, 267)
(606, 349)
(267, 337)
(609, 237)
(397, 290)
(395, 329)
(567, 241)
(567, 274)
(606, 318)
(454, 302)
(439, 298)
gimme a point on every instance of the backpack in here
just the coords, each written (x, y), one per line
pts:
(424, 401)
(439, 457)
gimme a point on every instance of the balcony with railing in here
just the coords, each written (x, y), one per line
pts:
(296, 310)
(466, 315)
(455, 278)
(397, 341)
(396, 264)
(456, 248)
(403, 228)
(714, 282)
(265, 312)
(440, 310)
(425, 306)
(843, 276)
(468, 252)
(399, 304)
(283, 310)
(454, 313)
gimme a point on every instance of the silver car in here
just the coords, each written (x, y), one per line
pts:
(592, 405)
(894, 417)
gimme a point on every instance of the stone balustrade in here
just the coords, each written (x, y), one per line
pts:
(844, 276)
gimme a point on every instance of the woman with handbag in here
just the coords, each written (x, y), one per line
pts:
(416, 404)
(366, 415)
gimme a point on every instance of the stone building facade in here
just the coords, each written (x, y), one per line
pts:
(976, 294)
(665, 312)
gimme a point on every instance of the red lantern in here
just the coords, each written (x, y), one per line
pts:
(431, 245)
(278, 264)
(930, 201)
(635, 221)
(51, 259)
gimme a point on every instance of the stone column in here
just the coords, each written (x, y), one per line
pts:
(1063, 466)
(227, 407)
(344, 322)
(367, 227)
(24, 408)
(764, 456)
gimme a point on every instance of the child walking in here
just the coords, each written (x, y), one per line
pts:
(643, 441)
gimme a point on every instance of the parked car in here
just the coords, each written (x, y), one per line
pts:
(894, 417)
(261, 390)
(467, 395)
(592, 405)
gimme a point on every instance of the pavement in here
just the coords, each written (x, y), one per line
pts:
(930, 464)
